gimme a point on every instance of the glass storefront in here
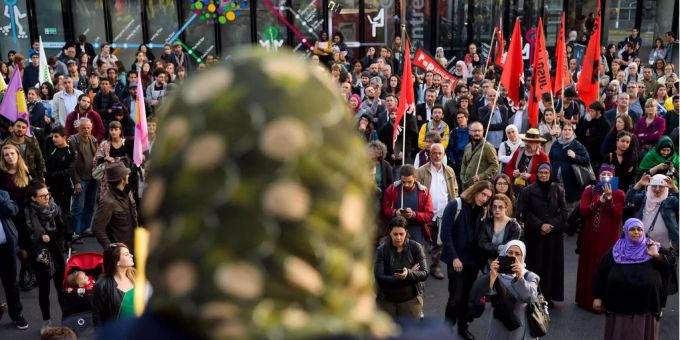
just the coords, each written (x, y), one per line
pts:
(88, 20)
(451, 24)
(50, 26)
(126, 29)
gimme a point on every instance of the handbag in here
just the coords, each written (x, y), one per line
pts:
(538, 318)
(99, 171)
(584, 174)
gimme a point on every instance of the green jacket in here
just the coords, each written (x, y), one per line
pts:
(488, 169)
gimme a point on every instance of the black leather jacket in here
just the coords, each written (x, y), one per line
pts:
(513, 231)
(385, 255)
(106, 300)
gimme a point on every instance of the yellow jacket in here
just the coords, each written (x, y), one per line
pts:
(424, 130)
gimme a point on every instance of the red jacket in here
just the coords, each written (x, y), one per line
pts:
(424, 213)
(98, 129)
(535, 161)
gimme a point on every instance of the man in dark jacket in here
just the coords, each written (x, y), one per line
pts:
(104, 100)
(591, 132)
(499, 121)
(180, 58)
(9, 239)
(31, 72)
(60, 162)
(115, 218)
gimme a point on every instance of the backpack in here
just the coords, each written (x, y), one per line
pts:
(459, 206)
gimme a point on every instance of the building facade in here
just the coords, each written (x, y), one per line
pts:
(218, 26)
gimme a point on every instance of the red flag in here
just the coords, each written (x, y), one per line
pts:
(562, 78)
(500, 45)
(540, 75)
(513, 69)
(407, 100)
(588, 85)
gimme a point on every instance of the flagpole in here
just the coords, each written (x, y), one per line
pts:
(493, 108)
(488, 57)
(403, 50)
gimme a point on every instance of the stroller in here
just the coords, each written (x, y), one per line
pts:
(77, 308)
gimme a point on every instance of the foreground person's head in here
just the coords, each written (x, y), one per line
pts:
(259, 206)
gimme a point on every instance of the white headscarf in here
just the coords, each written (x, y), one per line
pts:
(503, 250)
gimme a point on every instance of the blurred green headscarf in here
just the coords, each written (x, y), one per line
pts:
(259, 206)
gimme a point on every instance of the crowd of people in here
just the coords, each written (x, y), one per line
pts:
(471, 176)
(475, 183)
(67, 171)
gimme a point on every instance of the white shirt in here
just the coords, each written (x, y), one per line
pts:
(519, 117)
(438, 191)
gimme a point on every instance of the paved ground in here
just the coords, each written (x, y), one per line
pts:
(568, 321)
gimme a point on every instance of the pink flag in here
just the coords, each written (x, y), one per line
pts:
(13, 104)
(141, 130)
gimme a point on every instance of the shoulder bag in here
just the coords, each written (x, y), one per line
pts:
(584, 174)
(538, 318)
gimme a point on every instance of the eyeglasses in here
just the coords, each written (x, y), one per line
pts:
(498, 207)
(45, 196)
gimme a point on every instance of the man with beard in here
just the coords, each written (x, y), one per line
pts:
(481, 152)
(365, 79)
(440, 179)
(85, 186)
(523, 165)
(394, 151)
(497, 120)
(29, 148)
(180, 58)
(65, 101)
(411, 200)
(424, 110)
(649, 81)
(104, 100)
(437, 125)
(85, 110)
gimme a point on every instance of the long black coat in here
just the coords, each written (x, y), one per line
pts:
(562, 163)
(545, 254)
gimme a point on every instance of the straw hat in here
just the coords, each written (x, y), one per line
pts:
(532, 135)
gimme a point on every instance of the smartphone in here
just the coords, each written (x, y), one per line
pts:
(505, 263)
(613, 182)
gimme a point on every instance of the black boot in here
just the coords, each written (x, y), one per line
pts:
(464, 332)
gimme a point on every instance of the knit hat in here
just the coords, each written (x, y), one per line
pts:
(606, 167)
(544, 165)
(259, 207)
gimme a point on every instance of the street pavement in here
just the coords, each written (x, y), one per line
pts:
(568, 320)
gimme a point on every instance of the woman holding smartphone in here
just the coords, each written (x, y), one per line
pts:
(512, 287)
(400, 271)
(602, 212)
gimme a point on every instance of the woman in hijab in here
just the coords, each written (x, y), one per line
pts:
(656, 208)
(440, 57)
(508, 147)
(602, 210)
(544, 213)
(660, 159)
(629, 285)
(510, 294)
(563, 154)
(461, 71)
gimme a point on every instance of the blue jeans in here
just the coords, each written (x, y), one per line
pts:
(82, 207)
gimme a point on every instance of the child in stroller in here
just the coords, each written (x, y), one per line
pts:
(80, 275)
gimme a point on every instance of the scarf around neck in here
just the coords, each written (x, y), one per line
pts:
(44, 215)
(565, 142)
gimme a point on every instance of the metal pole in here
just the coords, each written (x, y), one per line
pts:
(493, 108)
(403, 136)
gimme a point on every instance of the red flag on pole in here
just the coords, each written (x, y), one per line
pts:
(500, 45)
(562, 78)
(407, 100)
(513, 68)
(540, 75)
(588, 85)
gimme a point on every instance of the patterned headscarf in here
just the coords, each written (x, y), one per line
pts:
(259, 206)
